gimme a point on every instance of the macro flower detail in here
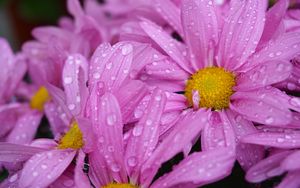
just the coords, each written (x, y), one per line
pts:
(154, 94)
(72, 139)
(39, 99)
(214, 86)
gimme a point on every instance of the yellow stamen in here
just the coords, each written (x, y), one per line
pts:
(119, 185)
(39, 99)
(214, 86)
(72, 139)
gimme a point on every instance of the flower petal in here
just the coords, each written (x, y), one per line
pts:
(111, 65)
(269, 73)
(203, 168)
(291, 162)
(199, 20)
(247, 154)
(218, 133)
(291, 180)
(74, 82)
(81, 180)
(129, 96)
(275, 139)
(145, 133)
(109, 130)
(263, 106)
(25, 128)
(241, 33)
(172, 47)
(170, 12)
(266, 168)
(186, 129)
(44, 168)
(277, 50)
(16, 153)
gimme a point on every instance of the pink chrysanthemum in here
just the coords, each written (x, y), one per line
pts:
(138, 155)
(228, 67)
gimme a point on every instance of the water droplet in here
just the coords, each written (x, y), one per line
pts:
(132, 161)
(111, 119)
(115, 167)
(34, 174)
(13, 178)
(149, 122)
(44, 166)
(110, 149)
(158, 98)
(101, 139)
(138, 113)
(137, 131)
(68, 80)
(108, 66)
(127, 49)
(291, 86)
(71, 106)
(295, 101)
(280, 140)
(269, 120)
(96, 75)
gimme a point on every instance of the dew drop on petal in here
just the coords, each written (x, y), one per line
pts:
(68, 80)
(127, 49)
(34, 174)
(68, 183)
(269, 120)
(13, 178)
(137, 131)
(115, 167)
(132, 161)
(111, 119)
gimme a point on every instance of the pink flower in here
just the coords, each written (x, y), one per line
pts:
(284, 159)
(139, 154)
(228, 68)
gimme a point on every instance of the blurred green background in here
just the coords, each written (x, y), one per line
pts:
(18, 17)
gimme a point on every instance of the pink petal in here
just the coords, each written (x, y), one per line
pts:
(263, 106)
(8, 116)
(292, 162)
(186, 129)
(129, 96)
(247, 154)
(44, 143)
(291, 180)
(276, 50)
(241, 33)
(170, 12)
(200, 25)
(266, 168)
(44, 168)
(25, 128)
(166, 69)
(274, 18)
(111, 65)
(66, 180)
(99, 172)
(274, 139)
(74, 8)
(12, 181)
(85, 126)
(59, 98)
(145, 132)
(74, 81)
(263, 75)
(16, 153)
(53, 114)
(172, 47)
(109, 130)
(203, 168)
(218, 133)
(81, 179)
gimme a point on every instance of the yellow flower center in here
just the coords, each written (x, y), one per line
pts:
(39, 99)
(73, 139)
(119, 185)
(214, 87)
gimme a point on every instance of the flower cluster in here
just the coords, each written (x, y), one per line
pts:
(124, 86)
